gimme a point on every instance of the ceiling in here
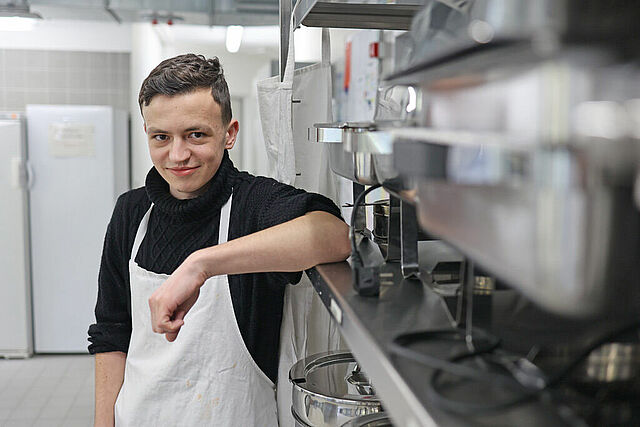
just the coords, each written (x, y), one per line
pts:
(198, 12)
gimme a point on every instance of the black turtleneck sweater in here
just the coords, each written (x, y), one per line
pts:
(176, 229)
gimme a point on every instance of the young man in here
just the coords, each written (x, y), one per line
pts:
(200, 255)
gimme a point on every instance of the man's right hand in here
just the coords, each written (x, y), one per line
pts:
(175, 297)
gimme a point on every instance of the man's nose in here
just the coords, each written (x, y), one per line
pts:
(179, 152)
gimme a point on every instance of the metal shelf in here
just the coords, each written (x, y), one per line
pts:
(370, 324)
(343, 14)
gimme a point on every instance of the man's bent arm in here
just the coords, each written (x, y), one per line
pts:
(109, 378)
(314, 238)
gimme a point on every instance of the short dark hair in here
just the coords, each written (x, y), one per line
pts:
(184, 74)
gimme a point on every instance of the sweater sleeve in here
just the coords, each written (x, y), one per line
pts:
(112, 330)
(284, 203)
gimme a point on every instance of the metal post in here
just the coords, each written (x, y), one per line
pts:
(361, 216)
(285, 22)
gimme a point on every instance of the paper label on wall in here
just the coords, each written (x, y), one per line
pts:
(71, 140)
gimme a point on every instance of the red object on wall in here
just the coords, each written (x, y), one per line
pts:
(347, 67)
(374, 50)
(154, 21)
(170, 22)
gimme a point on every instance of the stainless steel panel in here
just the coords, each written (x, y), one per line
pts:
(529, 170)
(546, 220)
(446, 30)
(356, 14)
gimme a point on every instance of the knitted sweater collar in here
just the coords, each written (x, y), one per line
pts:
(217, 193)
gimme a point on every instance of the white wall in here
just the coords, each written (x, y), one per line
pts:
(150, 44)
(70, 35)
(146, 52)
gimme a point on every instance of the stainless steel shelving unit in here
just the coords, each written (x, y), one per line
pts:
(369, 325)
(356, 14)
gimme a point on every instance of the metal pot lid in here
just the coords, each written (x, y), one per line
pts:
(335, 375)
(379, 419)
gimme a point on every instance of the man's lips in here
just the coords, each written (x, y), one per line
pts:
(183, 171)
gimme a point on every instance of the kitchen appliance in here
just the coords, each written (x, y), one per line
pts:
(80, 161)
(537, 185)
(525, 159)
(329, 389)
(15, 287)
(522, 154)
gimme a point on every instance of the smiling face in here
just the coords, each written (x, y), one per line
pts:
(187, 139)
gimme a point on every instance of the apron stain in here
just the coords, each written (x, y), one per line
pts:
(199, 396)
(188, 383)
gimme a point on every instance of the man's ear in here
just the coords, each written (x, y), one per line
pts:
(232, 134)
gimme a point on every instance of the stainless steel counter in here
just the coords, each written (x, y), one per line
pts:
(369, 325)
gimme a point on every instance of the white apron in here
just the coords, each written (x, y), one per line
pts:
(206, 377)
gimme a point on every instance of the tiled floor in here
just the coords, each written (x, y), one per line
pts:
(47, 391)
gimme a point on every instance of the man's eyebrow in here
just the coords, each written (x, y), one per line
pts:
(155, 130)
(192, 128)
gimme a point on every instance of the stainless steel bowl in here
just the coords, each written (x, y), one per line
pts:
(355, 166)
(329, 389)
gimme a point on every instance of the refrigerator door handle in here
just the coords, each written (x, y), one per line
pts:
(21, 174)
(29, 174)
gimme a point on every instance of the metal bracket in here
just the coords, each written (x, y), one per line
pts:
(361, 216)
(393, 245)
(409, 240)
(285, 20)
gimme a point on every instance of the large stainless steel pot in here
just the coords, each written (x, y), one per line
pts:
(372, 420)
(329, 389)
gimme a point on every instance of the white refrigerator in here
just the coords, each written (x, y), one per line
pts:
(80, 161)
(15, 287)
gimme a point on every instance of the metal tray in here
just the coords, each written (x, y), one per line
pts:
(447, 30)
(559, 224)
(529, 170)
(356, 14)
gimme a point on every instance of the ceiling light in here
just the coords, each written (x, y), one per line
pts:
(234, 38)
(16, 23)
(17, 17)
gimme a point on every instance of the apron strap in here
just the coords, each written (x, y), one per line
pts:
(142, 230)
(225, 216)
